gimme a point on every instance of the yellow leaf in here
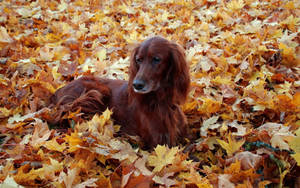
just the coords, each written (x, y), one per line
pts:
(98, 122)
(164, 156)
(296, 156)
(263, 48)
(221, 80)
(234, 168)
(288, 54)
(287, 51)
(296, 99)
(46, 85)
(263, 184)
(236, 4)
(74, 141)
(55, 74)
(291, 22)
(232, 146)
(289, 5)
(4, 112)
(49, 170)
(53, 145)
(209, 106)
(189, 106)
(101, 54)
(26, 176)
(205, 185)
(294, 145)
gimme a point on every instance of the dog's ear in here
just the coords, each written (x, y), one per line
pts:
(180, 74)
(132, 67)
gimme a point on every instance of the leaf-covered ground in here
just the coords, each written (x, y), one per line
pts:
(243, 108)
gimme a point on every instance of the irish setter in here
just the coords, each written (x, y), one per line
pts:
(148, 104)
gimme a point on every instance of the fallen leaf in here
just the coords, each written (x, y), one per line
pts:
(162, 157)
(40, 135)
(224, 181)
(232, 145)
(279, 133)
(248, 160)
(9, 182)
(4, 37)
(209, 124)
(294, 144)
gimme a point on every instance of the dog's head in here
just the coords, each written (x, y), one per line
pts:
(158, 64)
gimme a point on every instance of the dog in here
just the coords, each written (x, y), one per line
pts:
(148, 105)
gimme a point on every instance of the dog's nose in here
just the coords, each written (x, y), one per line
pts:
(138, 84)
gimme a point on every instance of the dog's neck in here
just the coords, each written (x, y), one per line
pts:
(153, 100)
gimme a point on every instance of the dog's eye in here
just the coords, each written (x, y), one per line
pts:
(155, 60)
(138, 60)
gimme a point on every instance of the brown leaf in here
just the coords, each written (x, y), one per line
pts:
(248, 160)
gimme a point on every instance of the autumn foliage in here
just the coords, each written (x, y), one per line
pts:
(243, 108)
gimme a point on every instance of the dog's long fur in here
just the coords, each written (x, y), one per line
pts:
(148, 104)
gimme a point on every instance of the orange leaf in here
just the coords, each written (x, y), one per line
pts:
(74, 141)
(139, 182)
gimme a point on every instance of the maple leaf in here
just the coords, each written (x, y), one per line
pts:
(241, 130)
(224, 181)
(193, 177)
(209, 106)
(74, 141)
(139, 181)
(291, 22)
(18, 118)
(4, 112)
(165, 180)
(46, 54)
(127, 171)
(9, 182)
(235, 5)
(4, 37)
(27, 67)
(163, 157)
(50, 170)
(69, 177)
(53, 145)
(279, 133)
(88, 183)
(124, 151)
(289, 54)
(296, 99)
(294, 144)
(100, 126)
(40, 135)
(210, 123)
(232, 146)
(28, 177)
(101, 54)
(140, 164)
(237, 174)
(248, 160)
(117, 69)
(46, 85)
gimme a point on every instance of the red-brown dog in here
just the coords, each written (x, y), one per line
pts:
(148, 104)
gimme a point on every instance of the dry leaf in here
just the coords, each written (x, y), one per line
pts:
(163, 157)
(231, 146)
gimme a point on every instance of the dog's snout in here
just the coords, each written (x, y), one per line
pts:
(138, 84)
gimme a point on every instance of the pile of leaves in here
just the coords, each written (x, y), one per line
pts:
(243, 108)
